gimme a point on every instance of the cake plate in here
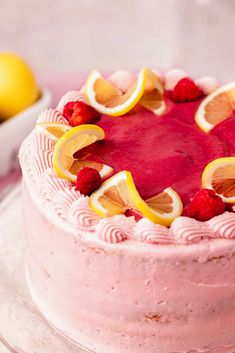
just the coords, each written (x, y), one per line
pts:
(22, 328)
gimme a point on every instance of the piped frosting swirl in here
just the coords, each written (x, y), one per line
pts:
(82, 216)
(187, 231)
(51, 116)
(50, 185)
(151, 233)
(64, 200)
(122, 79)
(223, 225)
(71, 96)
(115, 229)
(42, 143)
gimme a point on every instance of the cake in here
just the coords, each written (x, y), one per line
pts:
(144, 261)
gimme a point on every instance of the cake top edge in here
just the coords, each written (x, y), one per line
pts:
(91, 196)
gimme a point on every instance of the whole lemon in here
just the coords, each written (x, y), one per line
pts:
(18, 87)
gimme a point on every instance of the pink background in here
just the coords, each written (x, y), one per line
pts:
(66, 37)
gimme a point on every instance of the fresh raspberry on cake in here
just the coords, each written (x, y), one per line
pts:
(185, 91)
(133, 213)
(88, 180)
(205, 205)
(78, 113)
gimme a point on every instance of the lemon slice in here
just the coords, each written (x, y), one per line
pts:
(73, 140)
(153, 98)
(154, 101)
(118, 194)
(219, 175)
(53, 130)
(216, 107)
(167, 206)
(108, 99)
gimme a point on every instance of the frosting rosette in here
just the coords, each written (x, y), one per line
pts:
(187, 231)
(115, 229)
(50, 185)
(39, 163)
(122, 79)
(71, 96)
(207, 84)
(82, 216)
(51, 116)
(223, 225)
(41, 142)
(64, 200)
(151, 233)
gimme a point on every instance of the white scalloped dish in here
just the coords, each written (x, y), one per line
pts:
(14, 130)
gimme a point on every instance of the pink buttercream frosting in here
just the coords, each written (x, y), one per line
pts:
(223, 225)
(38, 164)
(207, 84)
(172, 77)
(41, 142)
(25, 153)
(70, 96)
(82, 216)
(64, 200)
(188, 231)
(50, 185)
(122, 79)
(151, 233)
(51, 116)
(115, 229)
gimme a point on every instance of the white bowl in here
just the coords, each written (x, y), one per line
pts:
(14, 130)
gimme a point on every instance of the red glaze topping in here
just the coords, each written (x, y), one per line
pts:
(163, 151)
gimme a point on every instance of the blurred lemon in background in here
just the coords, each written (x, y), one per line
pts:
(18, 87)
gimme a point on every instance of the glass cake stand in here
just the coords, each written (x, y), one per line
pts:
(22, 327)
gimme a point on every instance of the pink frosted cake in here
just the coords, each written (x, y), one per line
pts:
(128, 193)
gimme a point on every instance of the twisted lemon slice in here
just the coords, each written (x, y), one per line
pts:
(147, 90)
(118, 194)
(73, 140)
(53, 130)
(107, 99)
(153, 98)
(216, 107)
(219, 175)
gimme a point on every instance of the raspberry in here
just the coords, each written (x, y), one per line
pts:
(88, 180)
(133, 213)
(185, 91)
(78, 113)
(205, 205)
